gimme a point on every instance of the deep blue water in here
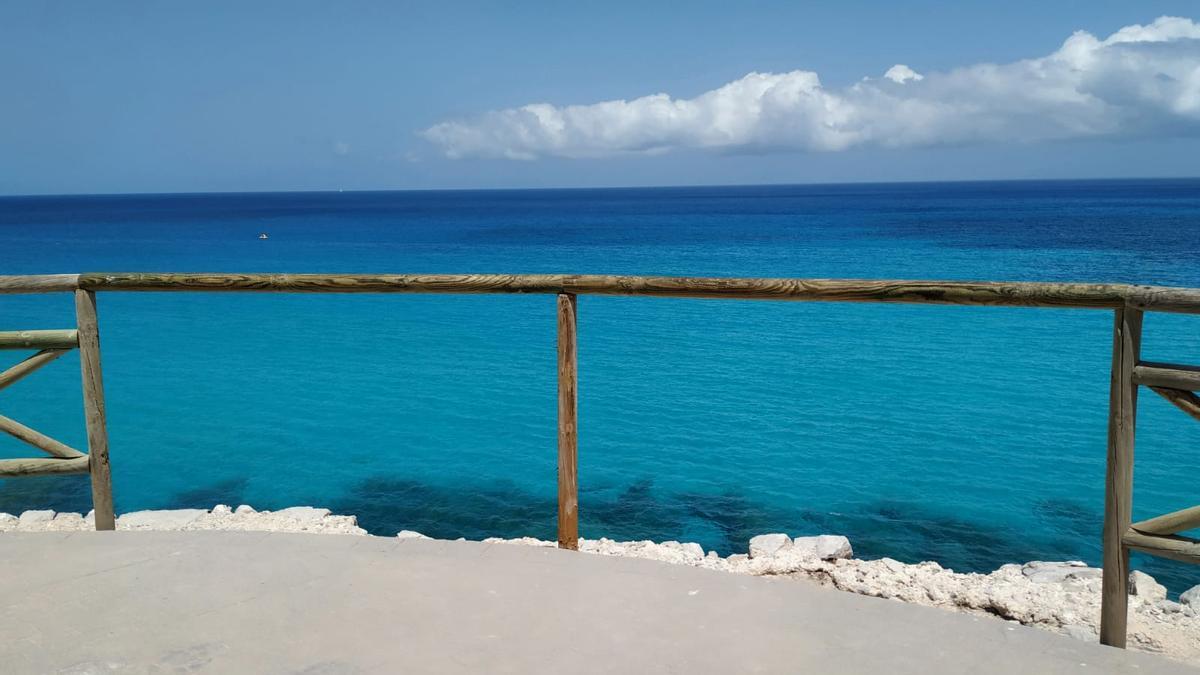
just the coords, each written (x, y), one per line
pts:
(971, 436)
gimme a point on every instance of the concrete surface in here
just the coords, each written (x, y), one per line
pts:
(234, 602)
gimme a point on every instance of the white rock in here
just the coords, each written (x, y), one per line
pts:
(1042, 572)
(222, 510)
(693, 549)
(30, 518)
(1145, 587)
(823, 547)
(244, 509)
(173, 519)
(8, 522)
(766, 545)
(1191, 597)
(1168, 607)
(409, 534)
(305, 514)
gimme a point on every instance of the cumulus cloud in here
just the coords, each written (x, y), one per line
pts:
(1141, 80)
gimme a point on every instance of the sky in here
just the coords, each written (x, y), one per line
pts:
(133, 97)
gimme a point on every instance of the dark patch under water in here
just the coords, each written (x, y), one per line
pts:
(72, 493)
(229, 491)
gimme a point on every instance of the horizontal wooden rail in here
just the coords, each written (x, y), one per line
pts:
(43, 466)
(1171, 523)
(39, 339)
(38, 283)
(29, 365)
(1011, 294)
(1167, 376)
(1175, 547)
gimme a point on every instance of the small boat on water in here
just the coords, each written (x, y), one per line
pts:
(263, 235)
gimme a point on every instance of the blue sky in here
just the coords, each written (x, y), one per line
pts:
(232, 96)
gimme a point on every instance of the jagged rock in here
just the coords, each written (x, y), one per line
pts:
(1168, 607)
(8, 522)
(244, 509)
(766, 545)
(174, 519)
(222, 510)
(1191, 597)
(1145, 587)
(34, 517)
(409, 534)
(693, 549)
(303, 513)
(1042, 572)
(823, 547)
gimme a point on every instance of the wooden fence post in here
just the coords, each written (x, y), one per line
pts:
(1118, 494)
(93, 409)
(568, 438)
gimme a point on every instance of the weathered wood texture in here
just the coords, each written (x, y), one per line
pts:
(38, 339)
(1118, 495)
(1183, 549)
(93, 409)
(37, 439)
(1184, 400)
(1017, 294)
(29, 365)
(38, 283)
(1171, 523)
(568, 436)
(42, 466)
(1167, 375)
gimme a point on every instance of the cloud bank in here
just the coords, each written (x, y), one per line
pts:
(1139, 81)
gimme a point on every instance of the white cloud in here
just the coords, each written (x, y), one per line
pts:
(1141, 80)
(901, 73)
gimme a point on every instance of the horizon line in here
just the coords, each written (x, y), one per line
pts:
(599, 187)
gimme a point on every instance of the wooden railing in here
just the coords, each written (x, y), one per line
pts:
(1158, 536)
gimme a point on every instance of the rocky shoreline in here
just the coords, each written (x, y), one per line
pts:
(1063, 597)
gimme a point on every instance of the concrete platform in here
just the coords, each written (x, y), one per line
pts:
(229, 602)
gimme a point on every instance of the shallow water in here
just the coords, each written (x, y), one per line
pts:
(971, 436)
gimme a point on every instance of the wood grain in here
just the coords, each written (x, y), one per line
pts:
(42, 466)
(39, 339)
(1171, 523)
(38, 283)
(37, 439)
(568, 432)
(1118, 494)
(93, 408)
(1184, 549)
(1014, 294)
(28, 366)
(1167, 375)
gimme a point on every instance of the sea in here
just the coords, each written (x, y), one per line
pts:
(971, 436)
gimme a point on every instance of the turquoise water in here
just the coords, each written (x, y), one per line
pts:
(971, 436)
